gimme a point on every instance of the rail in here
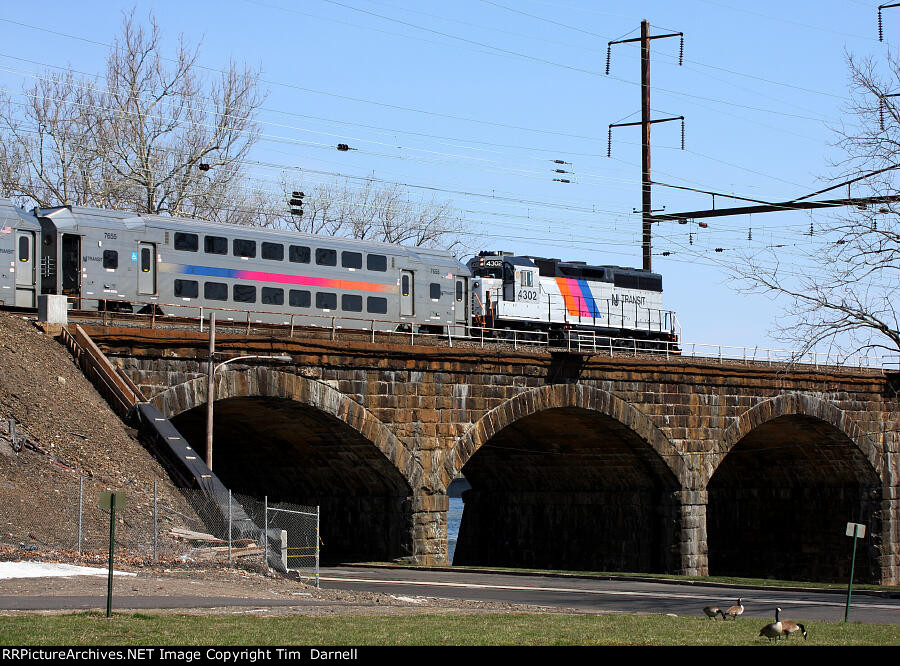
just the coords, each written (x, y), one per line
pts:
(115, 386)
(572, 340)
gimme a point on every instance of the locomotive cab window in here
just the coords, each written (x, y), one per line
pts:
(526, 279)
(244, 248)
(215, 245)
(376, 262)
(273, 251)
(186, 242)
(435, 291)
(110, 259)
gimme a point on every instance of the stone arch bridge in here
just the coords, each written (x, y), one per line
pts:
(576, 461)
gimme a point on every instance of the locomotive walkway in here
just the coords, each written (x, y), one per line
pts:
(576, 460)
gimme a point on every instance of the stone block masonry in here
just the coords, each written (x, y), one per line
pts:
(681, 465)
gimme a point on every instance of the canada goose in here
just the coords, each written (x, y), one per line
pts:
(712, 611)
(773, 629)
(734, 611)
(789, 627)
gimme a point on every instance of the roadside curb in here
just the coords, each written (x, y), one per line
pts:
(885, 594)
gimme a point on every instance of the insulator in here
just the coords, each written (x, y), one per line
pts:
(811, 232)
(609, 144)
(881, 113)
(203, 166)
(720, 249)
(562, 180)
(690, 239)
(609, 53)
(682, 133)
(560, 171)
(702, 225)
(343, 147)
(750, 234)
(880, 33)
(874, 225)
(559, 162)
(666, 253)
(681, 52)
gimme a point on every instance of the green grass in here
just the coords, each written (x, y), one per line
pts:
(507, 629)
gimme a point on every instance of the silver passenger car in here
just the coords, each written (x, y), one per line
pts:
(123, 261)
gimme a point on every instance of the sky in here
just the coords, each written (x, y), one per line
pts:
(472, 101)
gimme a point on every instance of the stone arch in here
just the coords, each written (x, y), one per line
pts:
(558, 396)
(788, 473)
(569, 476)
(799, 404)
(271, 383)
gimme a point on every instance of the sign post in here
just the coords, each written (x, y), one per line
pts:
(857, 531)
(109, 501)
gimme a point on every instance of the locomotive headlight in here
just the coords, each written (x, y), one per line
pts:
(475, 284)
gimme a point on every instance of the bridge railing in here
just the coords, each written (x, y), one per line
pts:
(181, 315)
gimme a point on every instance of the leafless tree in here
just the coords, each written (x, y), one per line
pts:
(384, 212)
(154, 135)
(843, 287)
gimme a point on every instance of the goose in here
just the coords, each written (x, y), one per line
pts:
(789, 627)
(734, 611)
(713, 611)
(773, 630)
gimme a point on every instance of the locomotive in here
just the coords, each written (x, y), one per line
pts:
(128, 262)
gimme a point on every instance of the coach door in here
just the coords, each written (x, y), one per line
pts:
(147, 272)
(25, 275)
(462, 301)
(71, 267)
(407, 293)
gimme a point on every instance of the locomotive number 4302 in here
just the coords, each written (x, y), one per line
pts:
(527, 295)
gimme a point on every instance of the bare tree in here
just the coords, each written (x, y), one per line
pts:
(153, 136)
(380, 212)
(842, 288)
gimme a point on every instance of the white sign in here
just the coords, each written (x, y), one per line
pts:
(860, 530)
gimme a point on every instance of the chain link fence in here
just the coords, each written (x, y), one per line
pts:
(160, 524)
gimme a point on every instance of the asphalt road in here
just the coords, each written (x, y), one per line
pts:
(624, 596)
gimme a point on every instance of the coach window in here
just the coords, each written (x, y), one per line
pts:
(187, 288)
(376, 305)
(243, 293)
(326, 300)
(376, 262)
(24, 248)
(273, 251)
(351, 259)
(299, 254)
(299, 298)
(404, 285)
(243, 248)
(215, 291)
(215, 245)
(435, 290)
(146, 260)
(351, 303)
(110, 259)
(186, 242)
(326, 257)
(272, 296)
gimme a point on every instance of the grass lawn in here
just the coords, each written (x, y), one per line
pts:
(507, 629)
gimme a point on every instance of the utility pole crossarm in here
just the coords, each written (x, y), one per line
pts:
(774, 207)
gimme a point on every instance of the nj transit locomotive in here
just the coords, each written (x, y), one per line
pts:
(558, 297)
(126, 262)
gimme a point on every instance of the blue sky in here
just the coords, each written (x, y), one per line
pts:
(471, 101)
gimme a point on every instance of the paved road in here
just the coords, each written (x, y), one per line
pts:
(631, 596)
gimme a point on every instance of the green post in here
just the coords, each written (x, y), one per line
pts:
(852, 567)
(112, 545)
